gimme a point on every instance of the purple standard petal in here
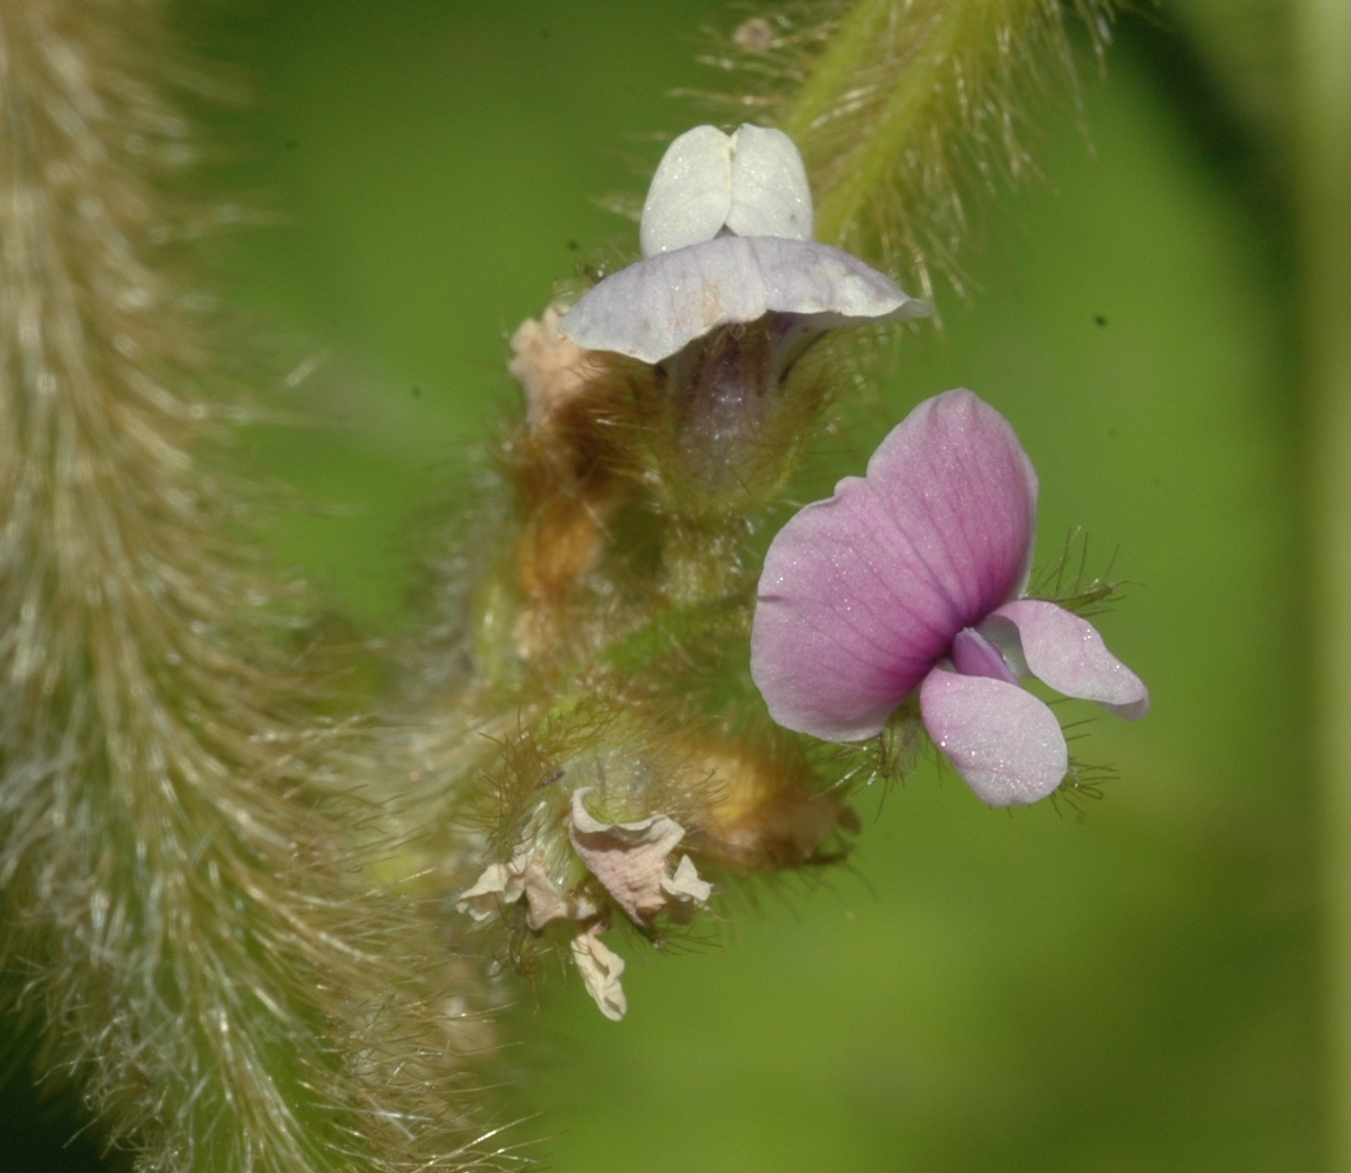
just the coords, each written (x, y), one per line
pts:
(1004, 742)
(1068, 654)
(845, 627)
(652, 309)
(862, 594)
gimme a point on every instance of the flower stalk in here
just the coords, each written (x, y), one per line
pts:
(909, 108)
(1323, 195)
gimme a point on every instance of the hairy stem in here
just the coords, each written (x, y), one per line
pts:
(912, 106)
(183, 907)
(876, 156)
(1323, 113)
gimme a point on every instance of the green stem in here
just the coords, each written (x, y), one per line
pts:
(838, 67)
(1323, 88)
(879, 151)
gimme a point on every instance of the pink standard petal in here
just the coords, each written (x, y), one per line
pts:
(1068, 654)
(861, 594)
(844, 628)
(1004, 742)
(963, 495)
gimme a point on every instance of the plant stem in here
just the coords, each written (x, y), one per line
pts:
(838, 73)
(838, 66)
(1323, 127)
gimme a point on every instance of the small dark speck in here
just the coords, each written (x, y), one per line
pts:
(291, 144)
(417, 392)
(1113, 432)
(573, 246)
(544, 33)
(1099, 320)
(551, 779)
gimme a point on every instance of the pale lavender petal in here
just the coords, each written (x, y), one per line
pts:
(974, 655)
(652, 309)
(770, 194)
(1003, 741)
(1067, 653)
(861, 594)
(691, 193)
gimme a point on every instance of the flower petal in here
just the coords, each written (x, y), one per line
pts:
(770, 193)
(601, 968)
(862, 593)
(551, 369)
(974, 655)
(691, 193)
(652, 309)
(963, 495)
(1003, 741)
(489, 892)
(685, 884)
(1067, 653)
(525, 876)
(845, 623)
(628, 858)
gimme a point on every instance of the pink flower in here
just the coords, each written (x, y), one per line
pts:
(911, 577)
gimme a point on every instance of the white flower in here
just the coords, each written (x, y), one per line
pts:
(727, 238)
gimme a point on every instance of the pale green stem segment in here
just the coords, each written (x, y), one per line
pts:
(1323, 112)
(837, 75)
(837, 71)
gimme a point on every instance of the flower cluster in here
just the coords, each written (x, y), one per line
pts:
(907, 581)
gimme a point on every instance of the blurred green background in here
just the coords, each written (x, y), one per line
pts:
(1130, 989)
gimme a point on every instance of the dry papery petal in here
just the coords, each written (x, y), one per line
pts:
(551, 369)
(630, 860)
(499, 885)
(525, 876)
(686, 884)
(601, 968)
